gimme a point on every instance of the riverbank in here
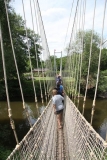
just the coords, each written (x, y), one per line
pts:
(27, 87)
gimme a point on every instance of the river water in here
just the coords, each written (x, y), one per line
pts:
(21, 123)
(22, 127)
(100, 115)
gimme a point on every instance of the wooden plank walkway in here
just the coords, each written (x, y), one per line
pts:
(60, 155)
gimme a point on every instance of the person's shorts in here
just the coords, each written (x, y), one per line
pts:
(58, 112)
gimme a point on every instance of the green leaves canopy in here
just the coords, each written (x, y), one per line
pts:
(95, 50)
(19, 42)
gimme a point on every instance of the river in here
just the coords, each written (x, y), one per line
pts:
(22, 126)
(7, 140)
(100, 115)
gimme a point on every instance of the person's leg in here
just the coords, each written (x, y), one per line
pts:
(59, 120)
(62, 117)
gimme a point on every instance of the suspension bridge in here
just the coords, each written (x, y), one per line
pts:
(77, 140)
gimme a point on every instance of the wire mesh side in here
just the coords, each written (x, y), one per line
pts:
(40, 142)
(81, 140)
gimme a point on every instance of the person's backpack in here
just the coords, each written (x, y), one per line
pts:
(59, 90)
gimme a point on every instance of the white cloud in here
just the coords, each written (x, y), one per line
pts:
(55, 16)
(53, 11)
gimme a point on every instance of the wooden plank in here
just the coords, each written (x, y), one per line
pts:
(60, 145)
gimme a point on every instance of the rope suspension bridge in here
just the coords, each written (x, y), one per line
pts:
(77, 140)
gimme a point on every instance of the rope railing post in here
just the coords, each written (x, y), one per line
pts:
(44, 40)
(81, 57)
(89, 63)
(6, 86)
(47, 83)
(30, 59)
(61, 65)
(36, 54)
(99, 61)
(13, 51)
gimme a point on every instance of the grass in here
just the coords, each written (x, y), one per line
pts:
(28, 76)
(68, 79)
(44, 78)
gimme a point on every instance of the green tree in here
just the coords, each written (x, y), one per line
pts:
(19, 42)
(94, 53)
(103, 65)
(102, 86)
(76, 47)
(58, 61)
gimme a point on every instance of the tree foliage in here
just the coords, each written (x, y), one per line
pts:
(58, 62)
(94, 50)
(94, 61)
(19, 42)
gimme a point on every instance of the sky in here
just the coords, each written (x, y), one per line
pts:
(55, 15)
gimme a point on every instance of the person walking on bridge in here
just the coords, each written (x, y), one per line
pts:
(58, 106)
(58, 79)
(60, 88)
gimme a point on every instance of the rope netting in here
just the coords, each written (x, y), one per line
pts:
(40, 141)
(81, 140)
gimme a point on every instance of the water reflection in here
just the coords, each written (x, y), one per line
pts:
(19, 117)
(41, 109)
(103, 128)
(100, 115)
(32, 119)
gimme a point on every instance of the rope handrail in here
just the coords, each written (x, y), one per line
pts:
(34, 132)
(81, 140)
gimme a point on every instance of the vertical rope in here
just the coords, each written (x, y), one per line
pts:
(6, 86)
(78, 54)
(69, 22)
(36, 101)
(30, 59)
(75, 54)
(71, 38)
(83, 22)
(89, 59)
(61, 65)
(44, 43)
(13, 51)
(74, 22)
(98, 71)
(79, 58)
(76, 60)
(36, 54)
(45, 81)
